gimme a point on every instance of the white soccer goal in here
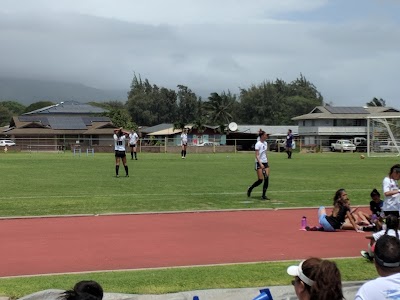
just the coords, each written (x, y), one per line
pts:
(383, 136)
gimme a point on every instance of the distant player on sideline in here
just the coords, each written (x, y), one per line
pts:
(119, 147)
(133, 139)
(184, 141)
(289, 143)
(261, 166)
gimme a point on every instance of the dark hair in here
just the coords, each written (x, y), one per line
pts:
(375, 193)
(261, 133)
(337, 196)
(392, 222)
(387, 253)
(395, 168)
(84, 290)
(327, 279)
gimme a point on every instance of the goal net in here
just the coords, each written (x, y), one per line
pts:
(383, 136)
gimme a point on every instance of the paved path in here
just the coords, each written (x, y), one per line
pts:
(73, 244)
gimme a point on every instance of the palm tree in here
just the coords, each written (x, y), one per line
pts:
(219, 108)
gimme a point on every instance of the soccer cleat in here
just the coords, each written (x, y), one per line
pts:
(117, 175)
(265, 198)
(126, 175)
(249, 192)
(366, 255)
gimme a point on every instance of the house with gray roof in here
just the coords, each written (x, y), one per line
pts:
(61, 126)
(325, 124)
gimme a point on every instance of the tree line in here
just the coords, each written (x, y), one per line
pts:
(268, 103)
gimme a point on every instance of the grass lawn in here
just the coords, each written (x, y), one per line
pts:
(181, 279)
(57, 184)
(53, 184)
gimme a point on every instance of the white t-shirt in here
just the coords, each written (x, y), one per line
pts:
(381, 233)
(119, 142)
(184, 138)
(380, 288)
(391, 203)
(133, 138)
(262, 151)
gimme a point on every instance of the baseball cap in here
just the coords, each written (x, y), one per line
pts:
(298, 271)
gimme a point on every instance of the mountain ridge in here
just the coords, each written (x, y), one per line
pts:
(28, 91)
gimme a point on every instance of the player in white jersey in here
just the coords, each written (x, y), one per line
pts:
(119, 147)
(133, 139)
(391, 190)
(184, 142)
(261, 165)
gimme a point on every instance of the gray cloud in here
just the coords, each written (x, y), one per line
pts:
(209, 46)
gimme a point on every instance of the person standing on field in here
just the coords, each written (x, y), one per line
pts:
(289, 143)
(391, 190)
(184, 142)
(261, 166)
(119, 147)
(133, 139)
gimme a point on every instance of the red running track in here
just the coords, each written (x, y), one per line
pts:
(72, 244)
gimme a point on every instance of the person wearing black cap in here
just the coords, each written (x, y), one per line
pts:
(387, 264)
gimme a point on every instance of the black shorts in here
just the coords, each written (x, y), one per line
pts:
(259, 167)
(394, 212)
(132, 145)
(120, 154)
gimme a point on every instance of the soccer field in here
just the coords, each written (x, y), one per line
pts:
(60, 183)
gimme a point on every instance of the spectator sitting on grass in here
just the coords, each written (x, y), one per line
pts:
(387, 264)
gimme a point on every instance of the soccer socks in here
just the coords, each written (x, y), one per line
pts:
(132, 154)
(135, 155)
(184, 153)
(116, 170)
(126, 170)
(265, 186)
(257, 183)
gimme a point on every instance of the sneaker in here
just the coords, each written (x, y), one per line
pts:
(366, 255)
(183, 157)
(248, 192)
(314, 228)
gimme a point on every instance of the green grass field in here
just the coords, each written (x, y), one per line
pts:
(54, 184)
(58, 184)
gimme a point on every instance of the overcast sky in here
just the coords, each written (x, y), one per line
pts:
(350, 49)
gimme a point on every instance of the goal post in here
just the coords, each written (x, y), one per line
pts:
(383, 136)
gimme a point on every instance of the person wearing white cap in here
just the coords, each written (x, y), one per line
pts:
(317, 279)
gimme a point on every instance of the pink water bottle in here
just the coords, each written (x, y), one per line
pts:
(303, 223)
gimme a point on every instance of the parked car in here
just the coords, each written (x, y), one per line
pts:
(388, 146)
(343, 145)
(277, 145)
(7, 143)
(362, 146)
